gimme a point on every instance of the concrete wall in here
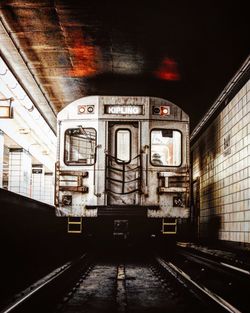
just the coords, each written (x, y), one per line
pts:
(33, 242)
(221, 162)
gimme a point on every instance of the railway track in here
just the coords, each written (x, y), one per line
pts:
(121, 284)
(130, 286)
(42, 295)
(222, 284)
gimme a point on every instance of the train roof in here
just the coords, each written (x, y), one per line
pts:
(101, 100)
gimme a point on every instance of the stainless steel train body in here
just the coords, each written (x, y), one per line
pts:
(123, 164)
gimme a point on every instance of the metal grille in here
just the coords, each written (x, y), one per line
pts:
(122, 169)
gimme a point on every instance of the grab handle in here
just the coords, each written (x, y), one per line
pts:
(94, 183)
(146, 149)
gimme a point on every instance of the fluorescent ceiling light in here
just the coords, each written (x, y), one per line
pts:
(5, 112)
(24, 131)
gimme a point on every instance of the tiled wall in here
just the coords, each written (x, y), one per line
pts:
(1, 157)
(49, 188)
(26, 179)
(20, 171)
(37, 182)
(221, 158)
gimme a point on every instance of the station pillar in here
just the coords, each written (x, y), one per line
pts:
(49, 188)
(37, 182)
(1, 157)
(19, 171)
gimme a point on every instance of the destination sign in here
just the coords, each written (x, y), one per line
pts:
(117, 100)
(123, 109)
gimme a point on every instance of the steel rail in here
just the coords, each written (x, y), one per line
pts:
(184, 277)
(241, 270)
(189, 254)
(41, 284)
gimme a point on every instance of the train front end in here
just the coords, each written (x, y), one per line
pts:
(123, 166)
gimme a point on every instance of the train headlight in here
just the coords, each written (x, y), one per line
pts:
(156, 110)
(165, 110)
(90, 109)
(81, 109)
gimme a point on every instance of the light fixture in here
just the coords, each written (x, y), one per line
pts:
(17, 99)
(45, 152)
(165, 110)
(6, 111)
(27, 103)
(3, 68)
(19, 92)
(24, 131)
(10, 80)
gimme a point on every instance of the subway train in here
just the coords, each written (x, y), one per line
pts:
(123, 166)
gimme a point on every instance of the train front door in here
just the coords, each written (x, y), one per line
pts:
(123, 164)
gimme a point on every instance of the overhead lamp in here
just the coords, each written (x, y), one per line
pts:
(45, 152)
(11, 87)
(14, 86)
(3, 68)
(10, 80)
(27, 103)
(24, 131)
(19, 92)
(6, 111)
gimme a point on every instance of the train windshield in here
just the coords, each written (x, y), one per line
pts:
(123, 145)
(165, 147)
(80, 146)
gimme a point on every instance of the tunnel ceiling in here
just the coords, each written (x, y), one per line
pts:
(183, 51)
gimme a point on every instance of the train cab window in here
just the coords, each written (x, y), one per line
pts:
(123, 145)
(165, 147)
(80, 146)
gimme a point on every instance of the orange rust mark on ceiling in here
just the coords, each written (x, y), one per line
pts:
(84, 57)
(168, 70)
(83, 61)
